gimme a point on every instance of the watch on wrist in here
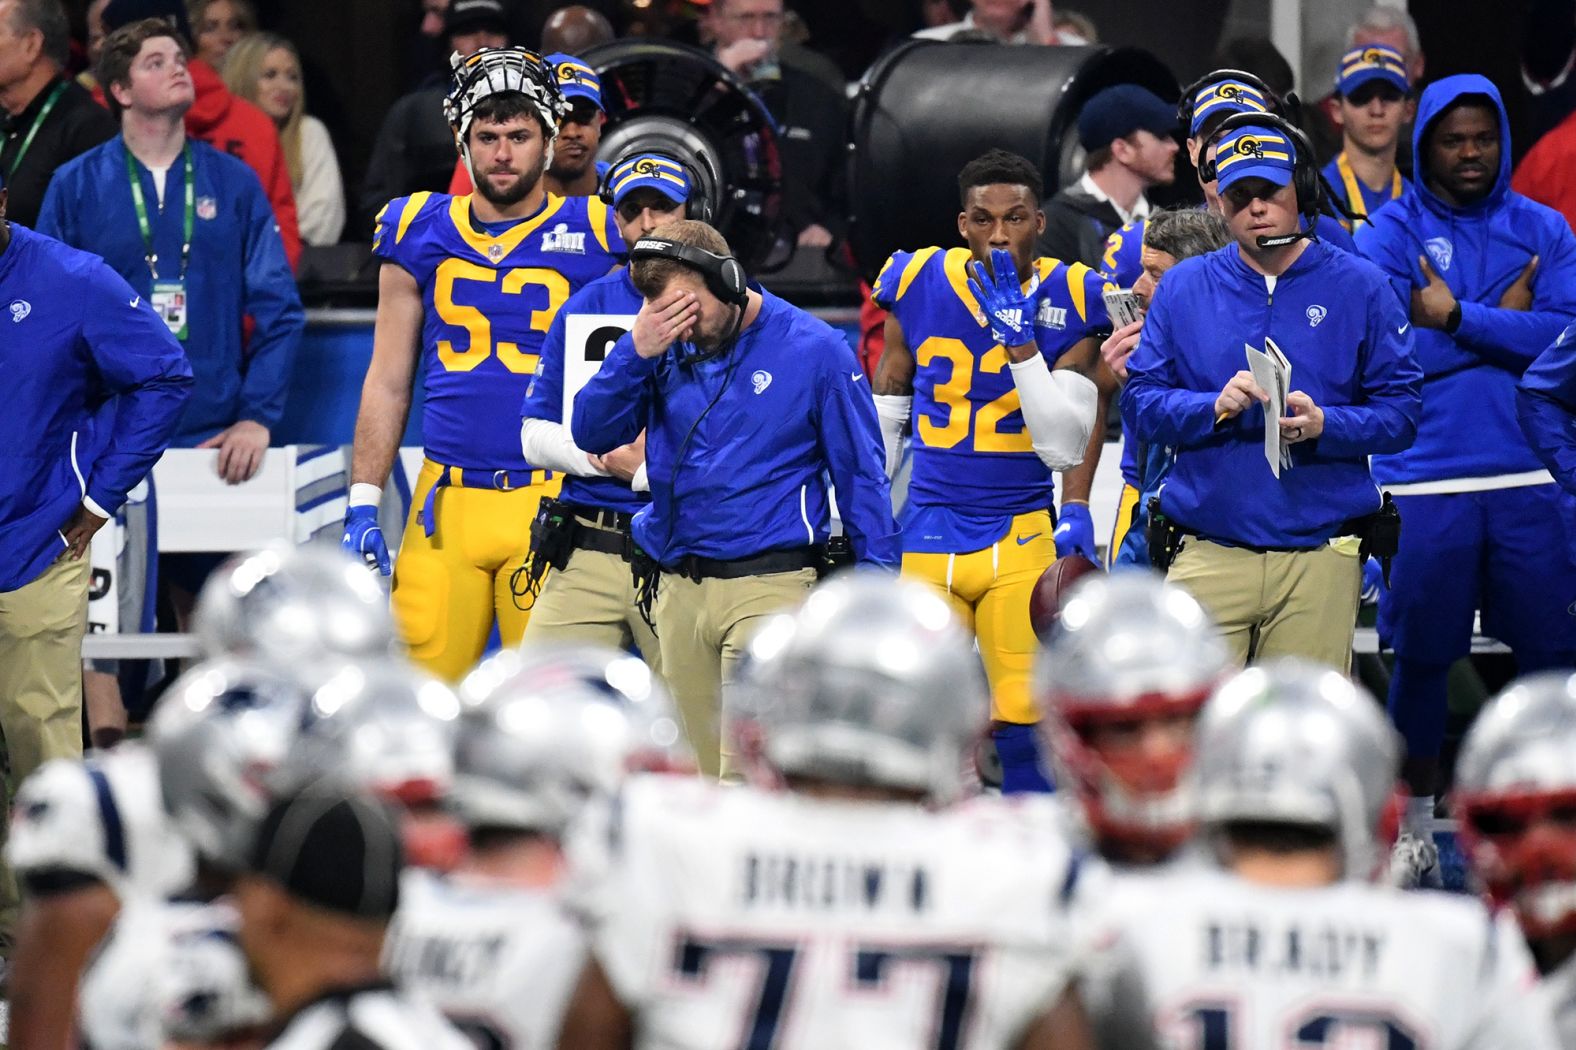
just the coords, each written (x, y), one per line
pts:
(1453, 322)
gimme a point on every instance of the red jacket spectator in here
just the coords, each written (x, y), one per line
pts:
(1544, 173)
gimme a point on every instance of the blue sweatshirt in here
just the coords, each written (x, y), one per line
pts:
(73, 335)
(1469, 427)
(1547, 406)
(1334, 317)
(612, 296)
(238, 268)
(738, 448)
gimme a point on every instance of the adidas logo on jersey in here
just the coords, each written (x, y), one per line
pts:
(559, 239)
(1051, 316)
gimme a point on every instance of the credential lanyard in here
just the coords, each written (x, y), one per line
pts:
(38, 122)
(142, 213)
(1354, 194)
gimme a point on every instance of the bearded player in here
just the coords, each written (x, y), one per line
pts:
(468, 287)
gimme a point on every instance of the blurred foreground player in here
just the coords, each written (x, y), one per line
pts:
(468, 288)
(1286, 942)
(834, 903)
(988, 357)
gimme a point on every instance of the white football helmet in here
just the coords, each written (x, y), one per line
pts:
(494, 71)
(871, 682)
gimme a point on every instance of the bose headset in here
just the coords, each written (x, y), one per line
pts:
(1305, 177)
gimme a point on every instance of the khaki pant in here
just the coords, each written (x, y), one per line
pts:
(41, 629)
(703, 629)
(592, 599)
(1277, 603)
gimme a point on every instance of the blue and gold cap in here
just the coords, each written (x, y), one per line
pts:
(1371, 62)
(1226, 96)
(649, 171)
(1255, 152)
(576, 79)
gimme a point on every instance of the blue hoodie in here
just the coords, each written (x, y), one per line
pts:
(1469, 427)
(1548, 408)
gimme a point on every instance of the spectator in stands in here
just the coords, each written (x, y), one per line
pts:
(1074, 28)
(1127, 133)
(1005, 21)
(265, 69)
(414, 149)
(1549, 56)
(49, 119)
(225, 122)
(1373, 100)
(574, 30)
(812, 116)
(217, 25)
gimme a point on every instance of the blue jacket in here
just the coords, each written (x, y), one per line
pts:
(1547, 407)
(72, 336)
(1334, 317)
(738, 448)
(612, 295)
(238, 268)
(1469, 426)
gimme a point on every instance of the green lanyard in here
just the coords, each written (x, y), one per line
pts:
(142, 213)
(38, 122)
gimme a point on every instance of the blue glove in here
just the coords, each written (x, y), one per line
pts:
(1075, 531)
(364, 538)
(1009, 312)
(1373, 581)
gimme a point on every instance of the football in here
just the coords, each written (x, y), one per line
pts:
(1052, 588)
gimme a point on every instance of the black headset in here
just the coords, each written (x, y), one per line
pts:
(1305, 177)
(723, 274)
(1280, 107)
(697, 207)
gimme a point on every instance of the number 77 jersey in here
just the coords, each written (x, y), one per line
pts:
(738, 919)
(488, 297)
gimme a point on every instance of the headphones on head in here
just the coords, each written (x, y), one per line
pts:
(1305, 177)
(1279, 107)
(697, 207)
(724, 275)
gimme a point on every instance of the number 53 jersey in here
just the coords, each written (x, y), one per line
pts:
(488, 295)
(736, 918)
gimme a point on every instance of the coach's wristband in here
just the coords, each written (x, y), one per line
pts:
(363, 494)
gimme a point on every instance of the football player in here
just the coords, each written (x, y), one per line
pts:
(1515, 795)
(988, 353)
(841, 900)
(1285, 940)
(468, 288)
(544, 735)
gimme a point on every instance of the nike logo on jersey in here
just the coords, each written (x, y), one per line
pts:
(1403, 328)
(1025, 539)
(135, 300)
(857, 376)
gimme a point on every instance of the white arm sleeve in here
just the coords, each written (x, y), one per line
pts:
(1058, 408)
(893, 411)
(549, 446)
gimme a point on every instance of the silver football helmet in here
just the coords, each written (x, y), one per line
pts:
(1294, 743)
(493, 71)
(291, 605)
(219, 734)
(1130, 652)
(1515, 794)
(871, 682)
(547, 729)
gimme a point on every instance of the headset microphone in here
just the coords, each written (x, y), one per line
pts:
(1283, 240)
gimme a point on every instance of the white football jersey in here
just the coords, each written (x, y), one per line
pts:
(1558, 992)
(500, 962)
(100, 816)
(1219, 962)
(733, 917)
(168, 972)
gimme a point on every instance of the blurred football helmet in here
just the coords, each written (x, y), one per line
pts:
(290, 605)
(871, 682)
(493, 71)
(219, 734)
(1127, 670)
(546, 729)
(1295, 743)
(1515, 794)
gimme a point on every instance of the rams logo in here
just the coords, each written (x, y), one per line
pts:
(1316, 313)
(646, 166)
(1373, 57)
(20, 308)
(1248, 146)
(1229, 91)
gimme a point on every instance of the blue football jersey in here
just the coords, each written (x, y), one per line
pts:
(1122, 260)
(972, 452)
(488, 299)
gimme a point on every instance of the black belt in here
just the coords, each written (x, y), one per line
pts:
(697, 568)
(603, 541)
(1355, 527)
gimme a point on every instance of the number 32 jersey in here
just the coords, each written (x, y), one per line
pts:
(735, 918)
(488, 296)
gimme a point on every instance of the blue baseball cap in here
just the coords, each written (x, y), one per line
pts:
(1225, 96)
(576, 79)
(1116, 112)
(649, 171)
(1255, 152)
(1372, 62)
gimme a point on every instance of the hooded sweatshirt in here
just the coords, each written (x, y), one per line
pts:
(1468, 438)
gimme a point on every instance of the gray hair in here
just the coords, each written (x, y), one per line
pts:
(1185, 232)
(1382, 18)
(49, 18)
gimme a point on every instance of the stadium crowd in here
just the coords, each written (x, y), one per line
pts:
(726, 685)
